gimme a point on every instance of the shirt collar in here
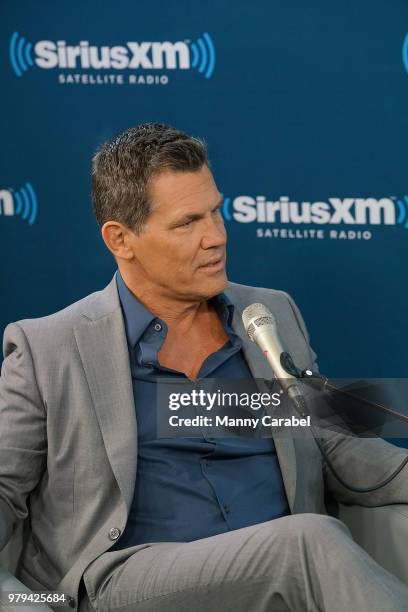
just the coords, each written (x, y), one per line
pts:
(138, 317)
(225, 309)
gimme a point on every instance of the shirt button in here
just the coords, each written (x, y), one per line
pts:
(207, 463)
(114, 533)
(71, 602)
(158, 327)
(226, 509)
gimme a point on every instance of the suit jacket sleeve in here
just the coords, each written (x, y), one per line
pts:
(23, 441)
(361, 462)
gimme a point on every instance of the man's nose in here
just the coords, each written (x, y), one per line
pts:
(214, 234)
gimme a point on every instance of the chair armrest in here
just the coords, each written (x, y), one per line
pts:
(8, 583)
(382, 532)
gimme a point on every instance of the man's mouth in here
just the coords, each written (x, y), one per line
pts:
(213, 265)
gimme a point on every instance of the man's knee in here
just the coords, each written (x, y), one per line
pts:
(313, 525)
(310, 529)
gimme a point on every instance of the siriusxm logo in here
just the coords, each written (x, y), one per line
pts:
(47, 54)
(346, 211)
(21, 202)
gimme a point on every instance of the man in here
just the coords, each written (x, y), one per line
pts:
(123, 520)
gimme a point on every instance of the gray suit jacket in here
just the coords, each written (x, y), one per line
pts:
(68, 435)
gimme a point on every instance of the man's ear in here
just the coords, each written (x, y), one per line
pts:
(117, 238)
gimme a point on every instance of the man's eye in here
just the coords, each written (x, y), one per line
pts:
(186, 223)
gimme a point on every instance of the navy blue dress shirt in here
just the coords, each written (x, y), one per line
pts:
(191, 488)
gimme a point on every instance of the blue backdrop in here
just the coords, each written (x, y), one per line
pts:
(304, 108)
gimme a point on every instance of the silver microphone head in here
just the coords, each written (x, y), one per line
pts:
(256, 316)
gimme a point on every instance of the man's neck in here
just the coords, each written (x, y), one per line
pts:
(182, 314)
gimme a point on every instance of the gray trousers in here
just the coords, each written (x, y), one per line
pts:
(302, 563)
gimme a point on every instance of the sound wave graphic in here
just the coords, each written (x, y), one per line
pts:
(20, 54)
(203, 55)
(405, 52)
(226, 209)
(402, 205)
(22, 202)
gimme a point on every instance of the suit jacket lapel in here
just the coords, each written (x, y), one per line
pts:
(102, 345)
(285, 448)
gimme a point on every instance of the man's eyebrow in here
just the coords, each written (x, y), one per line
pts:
(195, 217)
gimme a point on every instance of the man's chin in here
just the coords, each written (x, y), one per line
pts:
(202, 289)
(214, 286)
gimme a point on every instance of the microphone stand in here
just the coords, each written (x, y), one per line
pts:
(319, 382)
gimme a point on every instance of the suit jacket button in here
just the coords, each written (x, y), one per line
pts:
(114, 533)
(71, 602)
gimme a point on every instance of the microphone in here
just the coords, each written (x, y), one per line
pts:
(260, 325)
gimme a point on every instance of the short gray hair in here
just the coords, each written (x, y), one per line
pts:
(123, 166)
